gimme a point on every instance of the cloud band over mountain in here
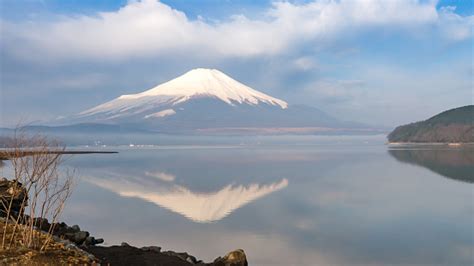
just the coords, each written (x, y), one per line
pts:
(148, 27)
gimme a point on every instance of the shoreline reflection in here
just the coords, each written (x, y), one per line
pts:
(455, 164)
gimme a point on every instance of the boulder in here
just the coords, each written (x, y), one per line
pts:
(12, 192)
(41, 223)
(80, 237)
(76, 228)
(233, 258)
(90, 241)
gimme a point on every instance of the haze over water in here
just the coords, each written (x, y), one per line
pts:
(284, 200)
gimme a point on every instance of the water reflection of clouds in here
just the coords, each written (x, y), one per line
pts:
(161, 175)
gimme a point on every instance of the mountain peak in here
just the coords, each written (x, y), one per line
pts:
(201, 70)
(202, 73)
(208, 82)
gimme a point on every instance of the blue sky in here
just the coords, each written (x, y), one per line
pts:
(375, 61)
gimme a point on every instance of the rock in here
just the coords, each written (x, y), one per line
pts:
(38, 220)
(58, 230)
(12, 192)
(41, 223)
(191, 259)
(69, 236)
(90, 241)
(124, 244)
(80, 237)
(182, 255)
(62, 225)
(76, 228)
(152, 249)
(233, 258)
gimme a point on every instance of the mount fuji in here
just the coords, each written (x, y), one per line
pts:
(209, 101)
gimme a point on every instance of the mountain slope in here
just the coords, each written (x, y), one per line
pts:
(455, 125)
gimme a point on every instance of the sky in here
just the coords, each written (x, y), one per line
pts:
(380, 62)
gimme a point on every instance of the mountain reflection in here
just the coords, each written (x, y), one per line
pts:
(457, 164)
(196, 206)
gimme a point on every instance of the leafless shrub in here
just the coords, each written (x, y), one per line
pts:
(35, 162)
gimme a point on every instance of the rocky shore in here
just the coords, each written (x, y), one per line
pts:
(152, 255)
(73, 240)
(14, 193)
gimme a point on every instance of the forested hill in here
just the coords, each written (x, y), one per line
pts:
(452, 126)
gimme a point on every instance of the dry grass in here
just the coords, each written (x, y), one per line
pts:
(54, 254)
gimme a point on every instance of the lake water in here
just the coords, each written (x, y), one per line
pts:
(284, 200)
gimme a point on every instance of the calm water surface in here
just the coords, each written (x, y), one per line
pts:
(285, 201)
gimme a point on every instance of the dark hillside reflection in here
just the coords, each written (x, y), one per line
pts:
(457, 164)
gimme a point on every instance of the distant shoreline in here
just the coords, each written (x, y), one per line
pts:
(5, 154)
(450, 144)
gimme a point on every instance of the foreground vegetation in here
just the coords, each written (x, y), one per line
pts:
(54, 252)
(37, 192)
(31, 203)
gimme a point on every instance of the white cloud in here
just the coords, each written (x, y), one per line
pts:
(150, 28)
(454, 26)
(304, 63)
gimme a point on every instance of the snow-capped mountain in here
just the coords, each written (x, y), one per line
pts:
(197, 83)
(203, 99)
